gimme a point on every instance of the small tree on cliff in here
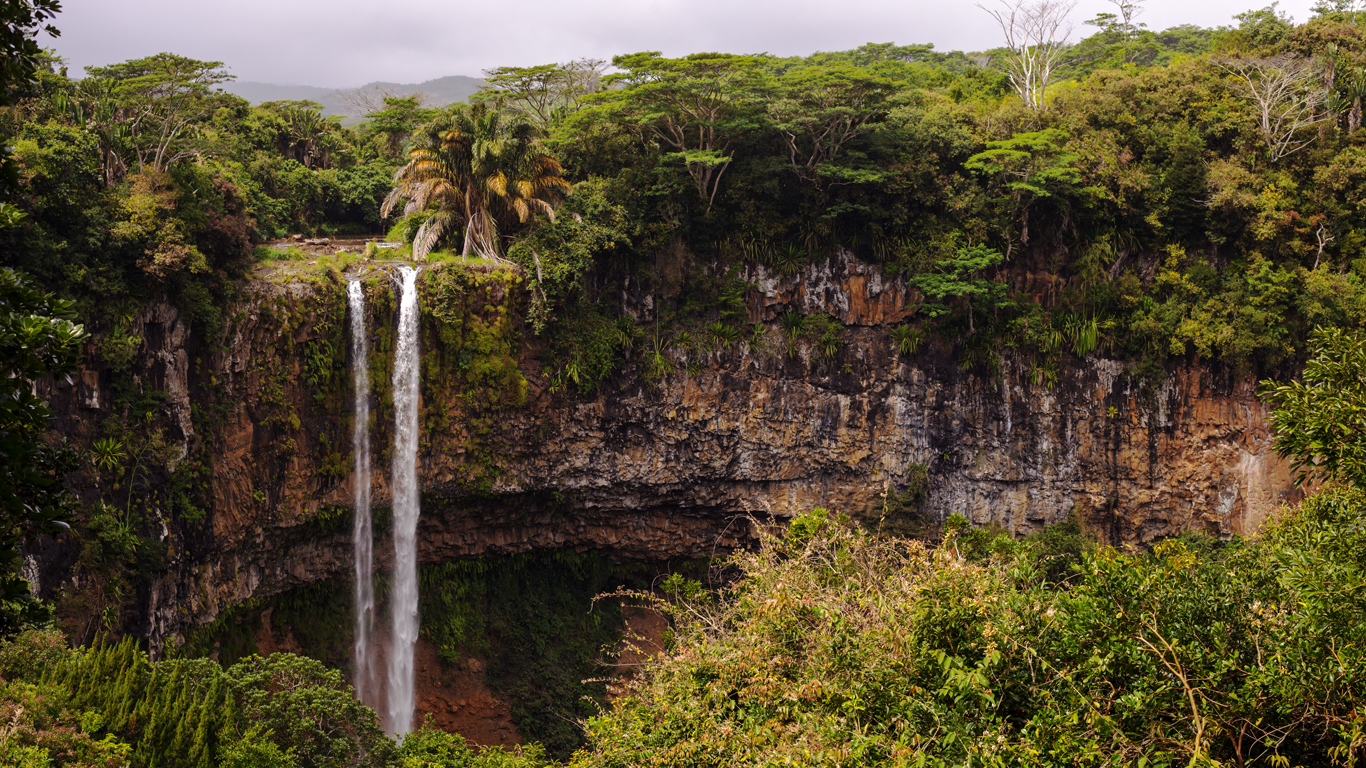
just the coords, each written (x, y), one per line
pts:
(961, 277)
(1321, 421)
(37, 339)
(696, 108)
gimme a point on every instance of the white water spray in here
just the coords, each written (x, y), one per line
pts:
(361, 537)
(399, 717)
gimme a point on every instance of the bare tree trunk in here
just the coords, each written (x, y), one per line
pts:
(1286, 92)
(1036, 33)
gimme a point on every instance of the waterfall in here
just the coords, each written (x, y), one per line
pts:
(361, 541)
(403, 598)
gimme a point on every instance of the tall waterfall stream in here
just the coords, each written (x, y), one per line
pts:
(361, 535)
(403, 599)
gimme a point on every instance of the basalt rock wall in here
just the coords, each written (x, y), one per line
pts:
(755, 430)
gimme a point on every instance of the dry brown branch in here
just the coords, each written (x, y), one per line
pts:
(365, 101)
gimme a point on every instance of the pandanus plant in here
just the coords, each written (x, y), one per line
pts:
(479, 169)
(91, 104)
(1356, 90)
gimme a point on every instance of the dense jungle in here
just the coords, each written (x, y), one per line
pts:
(888, 406)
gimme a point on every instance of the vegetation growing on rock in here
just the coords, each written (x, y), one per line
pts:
(1145, 208)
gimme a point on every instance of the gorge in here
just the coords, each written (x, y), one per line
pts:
(678, 470)
(882, 406)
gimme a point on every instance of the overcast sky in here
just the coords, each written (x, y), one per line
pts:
(344, 43)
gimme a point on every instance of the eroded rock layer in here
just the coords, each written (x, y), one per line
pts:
(759, 429)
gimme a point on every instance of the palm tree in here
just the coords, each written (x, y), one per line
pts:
(1356, 91)
(306, 127)
(92, 105)
(477, 168)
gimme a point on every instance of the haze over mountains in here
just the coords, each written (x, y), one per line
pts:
(439, 92)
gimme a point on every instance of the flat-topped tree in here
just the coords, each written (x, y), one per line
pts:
(546, 93)
(821, 111)
(160, 100)
(1024, 169)
(697, 106)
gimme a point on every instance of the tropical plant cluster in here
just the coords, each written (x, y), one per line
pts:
(109, 706)
(841, 647)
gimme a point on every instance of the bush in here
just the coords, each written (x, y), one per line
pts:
(838, 647)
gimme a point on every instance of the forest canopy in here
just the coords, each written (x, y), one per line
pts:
(1150, 196)
(1188, 192)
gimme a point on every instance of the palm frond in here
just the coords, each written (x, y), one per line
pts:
(497, 183)
(546, 208)
(429, 234)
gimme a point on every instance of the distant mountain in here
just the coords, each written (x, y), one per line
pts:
(439, 92)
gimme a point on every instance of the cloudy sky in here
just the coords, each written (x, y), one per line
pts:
(344, 43)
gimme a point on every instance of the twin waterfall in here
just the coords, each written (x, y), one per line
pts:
(398, 688)
(360, 532)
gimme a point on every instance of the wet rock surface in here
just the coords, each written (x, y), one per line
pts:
(680, 470)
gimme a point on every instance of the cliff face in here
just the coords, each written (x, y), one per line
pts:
(754, 430)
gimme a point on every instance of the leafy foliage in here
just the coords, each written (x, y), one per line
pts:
(37, 339)
(835, 647)
(1321, 421)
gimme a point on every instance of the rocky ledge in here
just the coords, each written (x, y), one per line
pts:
(757, 430)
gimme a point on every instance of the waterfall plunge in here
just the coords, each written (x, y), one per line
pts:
(361, 537)
(399, 717)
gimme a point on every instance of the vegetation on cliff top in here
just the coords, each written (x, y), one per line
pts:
(1146, 205)
(1142, 204)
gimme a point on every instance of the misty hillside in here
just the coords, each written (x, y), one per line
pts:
(440, 92)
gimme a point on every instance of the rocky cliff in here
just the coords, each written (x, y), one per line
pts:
(257, 419)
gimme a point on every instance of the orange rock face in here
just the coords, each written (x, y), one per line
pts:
(682, 469)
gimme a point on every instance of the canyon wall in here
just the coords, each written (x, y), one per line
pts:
(756, 430)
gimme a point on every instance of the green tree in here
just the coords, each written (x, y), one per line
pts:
(1320, 421)
(697, 108)
(397, 121)
(820, 111)
(960, 276)
(311, 712)
(1260, 32)
(479, 169)
(1028, 167)
(430, 747)
(162, 100)
(256, 750)
(38, 339)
